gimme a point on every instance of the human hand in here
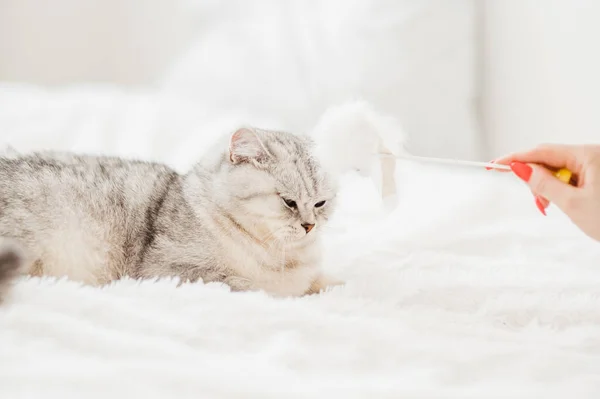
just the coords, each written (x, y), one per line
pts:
(581, 203)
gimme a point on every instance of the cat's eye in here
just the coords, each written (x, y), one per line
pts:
(290, 203)
(319, 204)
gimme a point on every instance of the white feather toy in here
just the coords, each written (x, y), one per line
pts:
(352, 137)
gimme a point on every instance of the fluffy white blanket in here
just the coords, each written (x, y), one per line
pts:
(463, 291)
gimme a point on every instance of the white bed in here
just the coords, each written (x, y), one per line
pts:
(463, 291)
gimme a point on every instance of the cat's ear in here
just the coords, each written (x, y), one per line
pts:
(245, 146)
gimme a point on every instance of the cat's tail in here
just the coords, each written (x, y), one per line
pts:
(11, 262)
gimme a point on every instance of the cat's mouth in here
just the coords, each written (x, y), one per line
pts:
(293, 235)
(301, 235)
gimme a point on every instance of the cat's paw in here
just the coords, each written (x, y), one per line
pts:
(238, 284)
(322, 283)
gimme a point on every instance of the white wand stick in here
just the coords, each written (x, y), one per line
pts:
(457, 162)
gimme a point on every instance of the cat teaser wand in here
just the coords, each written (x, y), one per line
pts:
(353, 137)
(387, 181)
(562, 174)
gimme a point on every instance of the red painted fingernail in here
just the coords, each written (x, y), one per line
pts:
(539, 205)
(522, 170)
(487, 167)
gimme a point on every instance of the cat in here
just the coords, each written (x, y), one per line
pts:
(249, 214)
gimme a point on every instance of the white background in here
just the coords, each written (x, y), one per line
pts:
(541, 72)
(470, 79)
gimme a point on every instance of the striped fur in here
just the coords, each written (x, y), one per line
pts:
(229, 219)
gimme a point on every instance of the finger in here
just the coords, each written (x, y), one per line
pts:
(541, 203)
(544, 203)
(542, 182)
(540, 206)
(496, 169)
(552, 155)
(543, 200)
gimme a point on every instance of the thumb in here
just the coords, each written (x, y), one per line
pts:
(544, 183)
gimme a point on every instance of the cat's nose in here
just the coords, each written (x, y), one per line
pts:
(308, 227)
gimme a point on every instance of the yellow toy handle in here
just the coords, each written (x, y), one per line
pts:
(566, 176)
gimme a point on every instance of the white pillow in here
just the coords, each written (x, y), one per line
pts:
(99, 119)
(291, 60)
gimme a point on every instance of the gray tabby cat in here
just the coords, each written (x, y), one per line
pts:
(248, 214)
